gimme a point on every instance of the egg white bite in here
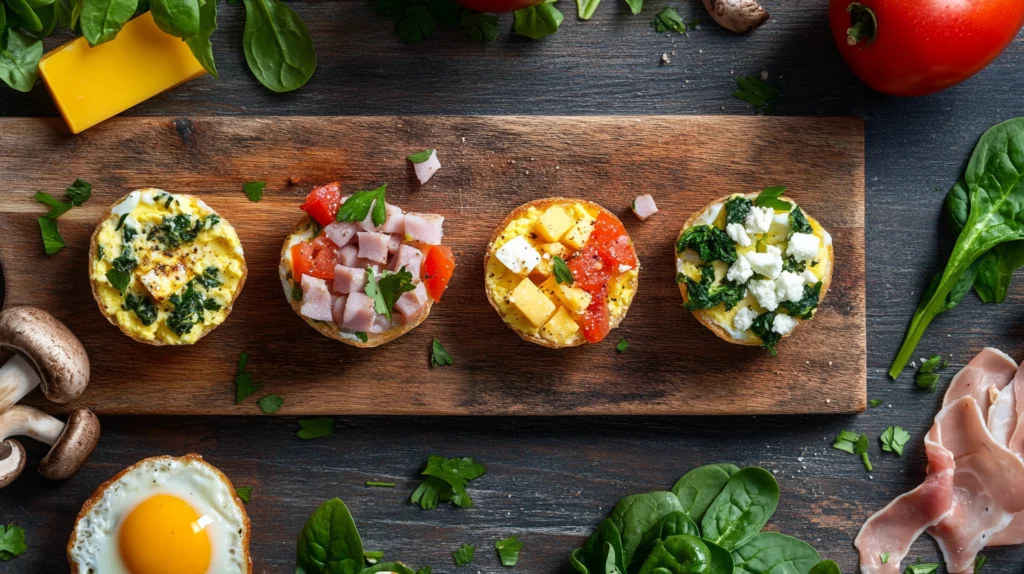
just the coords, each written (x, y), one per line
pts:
(165, 267)
(162, 515)
(523, 287)
(777, 272)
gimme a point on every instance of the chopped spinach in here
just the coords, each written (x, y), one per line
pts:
(244, 387)
(703, 295)
(798, 222)
(710, 243)
(804, 308)
(737, 208)
(244, 493)
(791, 264)
(698, 488)
(926, 377)
(762, 327)
(188, 309)
(209, 278)
(175, 230)
(774, 552)
(143, 306)
(278, 46)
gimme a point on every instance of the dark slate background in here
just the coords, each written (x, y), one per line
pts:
(550, 481)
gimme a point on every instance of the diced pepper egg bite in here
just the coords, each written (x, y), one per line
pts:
(561, 272)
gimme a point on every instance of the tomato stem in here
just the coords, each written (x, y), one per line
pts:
(863, 24)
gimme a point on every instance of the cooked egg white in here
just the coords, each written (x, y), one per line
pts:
(501, 281)
(162, 515)
(176, 251)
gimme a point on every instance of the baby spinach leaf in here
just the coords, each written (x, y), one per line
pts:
(329, 542)
(537, 21)
(24, 15)
(827, 567)
(770, 552)
(995, 271)
(957, 206)
(698, 488)
(200, 44)
(635, 514)
(179, 18)
(721, 559)
(681, 554)
(672, 524)
(102, 19)
(602, 549)
(277, 44)
(995, 181)
(19, 59)
(742, 508)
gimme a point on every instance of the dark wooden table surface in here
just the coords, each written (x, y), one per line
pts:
(550, 481)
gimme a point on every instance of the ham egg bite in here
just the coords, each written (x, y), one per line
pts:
(165, 267)
(162, 515)
(361, 270)
(561, 272)
(753, 267)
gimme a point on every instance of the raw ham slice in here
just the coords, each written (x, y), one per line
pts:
(989, 368)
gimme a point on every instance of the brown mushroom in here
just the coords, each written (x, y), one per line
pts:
(12, 461)
(71, 443)
(737, 15)
(47, 354)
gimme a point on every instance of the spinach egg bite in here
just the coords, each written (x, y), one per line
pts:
(753, 267)
(165, 267)
(561, 272)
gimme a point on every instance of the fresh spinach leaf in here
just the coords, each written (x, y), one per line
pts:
(101, 20)
(957, 206)
(635, 514)
(19, 59)
(317, 427)
(508, 551)
(24, 15)
(762, 327)
(179, 18)
(770, 552)
(118, 280)
(277, 45)
(742, 508)
(826, 567)
(200, 43)
(537, 21)
(680, 554)
(995, 271)
(417, 24)
(737, 208)
(698, 488)
(464, 555)
(585, 8)
(602, 552)
(721, 559)
(52, 241)
(57, 208)
(672, 524)
(329, 542)
(710, 243)
(12, 541)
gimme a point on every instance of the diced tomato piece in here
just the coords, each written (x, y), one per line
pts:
(612, 242)
(315, 258)
(322, 203)
(596, 323)
(302, 260)
(437, 270)
(589, 270)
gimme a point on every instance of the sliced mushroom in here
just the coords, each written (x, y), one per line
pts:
(737, 15)
(12, 461)
(47, 354)
(71, 443)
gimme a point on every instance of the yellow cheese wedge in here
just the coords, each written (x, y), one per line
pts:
(90, 85)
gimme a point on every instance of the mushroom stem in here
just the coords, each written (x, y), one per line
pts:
(20, 420)
(17, 379)
(70, 443)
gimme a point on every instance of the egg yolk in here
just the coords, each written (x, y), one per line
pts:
(165, 535)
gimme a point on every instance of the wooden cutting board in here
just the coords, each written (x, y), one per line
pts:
(673, 366)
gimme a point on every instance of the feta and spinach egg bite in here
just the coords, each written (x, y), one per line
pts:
(361, 270)
(753, 267)
(561, 272)
(162, 515)
(165, 267)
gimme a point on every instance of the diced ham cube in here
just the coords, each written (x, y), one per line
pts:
(380, 324)
(395, 222)
(340, 232)
(338, 313)
(367, 224)
(426, 169)
(316, 299)
(349, 279)
(374, 246)
(359, 314)
(644, 207)
(410, 258)
(394, 244)
(424, 227)
(367, 264)
(411, 302)
(347, 255)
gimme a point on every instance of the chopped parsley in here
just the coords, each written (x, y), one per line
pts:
(926, 376)
(386, 288)
(175, 230)
(884, 557)
(562, 272)
(439, 357)
(143, 306)
(875, 402)
(254, 190)
(446, 480)
(78, 193)
(420, 157)
(758, 93)
(710, 243)
(769, 197)
(315, 428)
(270, 403)
(57, 207)
(357, 207)
(244, 493)
(893, 439)
(464, 555)
(508, 551)
(922, 568)
(379, 484)
(361, 335)
(52, 241)
(669, 19)
(297, 293)
(243, 380)
(854, 443)
(737, 208)
(12, 541)
(762, 327)
(622, 346)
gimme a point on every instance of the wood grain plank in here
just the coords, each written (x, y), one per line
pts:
(674, 365)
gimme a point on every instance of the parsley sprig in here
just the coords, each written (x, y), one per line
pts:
(893, 439)
(854, 443)
(254, 190)
(76, 194)
(562, 272)
(926, 376)
(357, 207)
(12, 541)
(386, 288)
(446, 480)
(464, 555)
(769, 197)
(439, 356)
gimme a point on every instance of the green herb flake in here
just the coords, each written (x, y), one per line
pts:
(876, 402)
(380, 484)
(562, 272)
(373, 556)
(12, 542)
(52, 241)
(439, 357)
(508, 551)
(464, 555)
(420, 157)
(893, 439)
(57, 207)
(358, 206)
(854, 443)
(362, 336)
(386, 288)
(297, 293)
(538, 21)
(244, 387)
(270, 403)
(762, 327)
(315, 428)
(446, 480)
(884, 557)
(926, 377)
(622, 346)
(769, 197)
(979, 561)
(254, 190)
(668, 19)
(758, 93)
(245, 493)
(78, 192)
(922, 568)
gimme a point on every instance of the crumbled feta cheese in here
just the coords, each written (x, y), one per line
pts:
(809, 277)
(736, 232)
(739, 271)
(518, 255)
(768, 264)
(789, 287)
(764, 291)
(744, 318)
(758, 220)
(803, 246)
(783, 324)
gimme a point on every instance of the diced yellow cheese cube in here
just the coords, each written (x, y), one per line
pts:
(575, 299)
(532, 303)
(554, 223)
(577, 237)
(554, 249)
(545, 268)
(91, 84)
(560, 327)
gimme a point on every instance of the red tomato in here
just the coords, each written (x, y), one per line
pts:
(916, 47)
(315, 258)
(589, 270)
(438, 266)
(322, 203)
(498, 5)
(612, 242)
(595, 323)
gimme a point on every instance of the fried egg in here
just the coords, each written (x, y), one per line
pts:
(162, 515)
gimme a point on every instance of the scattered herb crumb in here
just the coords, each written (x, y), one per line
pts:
(420, 157)
(979, 561)
(270, 403)
(876, 403)
(669, 19)
(854, 443)
(439, 357)
(380, 484)
(508, 551)
(893, 439)
(245, 493)
(926, 376)
(373, 556)
(922, 567)
(315, 428)
(884, 557)
(12, 541)
(254, 190)
(464, 555)
(446, 480)
(758, 93)
(622, 346)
